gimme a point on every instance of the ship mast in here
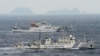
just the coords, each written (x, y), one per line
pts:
(64, 34)
(71, 27)
(15, 27)
(84, 37)
(39, 37)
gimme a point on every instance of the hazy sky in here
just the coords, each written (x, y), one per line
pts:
(42, 6)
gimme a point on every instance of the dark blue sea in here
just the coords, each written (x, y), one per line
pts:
(82, 24)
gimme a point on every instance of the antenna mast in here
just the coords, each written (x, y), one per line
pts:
(84, 37)
(39, 35)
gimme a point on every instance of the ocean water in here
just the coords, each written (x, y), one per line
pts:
(82, 24)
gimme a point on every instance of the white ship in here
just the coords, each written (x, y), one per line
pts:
(86, 44)
(65, 42)
(37, 27)
(62, 42)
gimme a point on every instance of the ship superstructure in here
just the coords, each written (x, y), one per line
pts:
(67, 42)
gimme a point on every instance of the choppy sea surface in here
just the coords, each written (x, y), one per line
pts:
(82, 24)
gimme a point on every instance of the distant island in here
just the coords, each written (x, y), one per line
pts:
(21, 11)
(74, 11)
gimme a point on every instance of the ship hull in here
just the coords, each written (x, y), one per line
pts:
(34, 31)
